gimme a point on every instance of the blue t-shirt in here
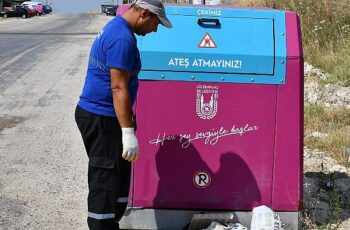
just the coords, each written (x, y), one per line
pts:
(114, 47)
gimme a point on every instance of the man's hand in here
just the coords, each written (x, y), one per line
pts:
(130, 145)
(122, 106)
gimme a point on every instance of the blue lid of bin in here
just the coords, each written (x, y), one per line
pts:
(212, 44)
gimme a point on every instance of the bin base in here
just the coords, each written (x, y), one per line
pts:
(145, 218)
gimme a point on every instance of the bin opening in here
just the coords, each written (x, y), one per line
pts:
(237, 47)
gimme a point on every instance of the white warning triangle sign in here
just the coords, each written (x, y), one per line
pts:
(207, 42)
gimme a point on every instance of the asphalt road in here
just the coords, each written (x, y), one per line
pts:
(43, 164)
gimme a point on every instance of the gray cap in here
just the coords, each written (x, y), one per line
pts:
(156, 7)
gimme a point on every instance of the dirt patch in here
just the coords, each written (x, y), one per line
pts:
(10, 122)
(11, 209)
(326, 192)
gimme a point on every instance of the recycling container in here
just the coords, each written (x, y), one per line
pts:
(220, 111)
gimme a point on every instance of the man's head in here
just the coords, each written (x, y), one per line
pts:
(149, 13)
(155, 7)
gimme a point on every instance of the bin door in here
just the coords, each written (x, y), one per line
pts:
(204, 145)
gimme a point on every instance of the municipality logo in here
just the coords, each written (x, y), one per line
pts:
(207, 101)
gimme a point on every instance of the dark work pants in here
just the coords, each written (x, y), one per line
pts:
(108, 172)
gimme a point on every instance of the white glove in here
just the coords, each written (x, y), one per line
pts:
(130, 144)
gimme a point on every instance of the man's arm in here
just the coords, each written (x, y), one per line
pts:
(121, 97)
(122, 107)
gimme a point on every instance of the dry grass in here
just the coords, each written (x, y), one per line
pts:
(335, 124)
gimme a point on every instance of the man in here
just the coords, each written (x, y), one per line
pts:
(104, 111)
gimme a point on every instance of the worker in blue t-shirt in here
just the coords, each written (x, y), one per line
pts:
(104, 111)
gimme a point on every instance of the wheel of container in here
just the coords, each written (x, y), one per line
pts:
(24, 16)
(5, 15)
